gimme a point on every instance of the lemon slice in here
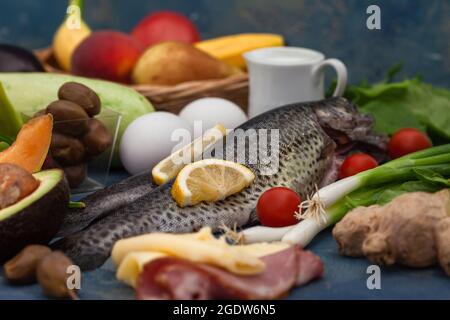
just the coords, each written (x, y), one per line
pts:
(210, 180)
(168, 168)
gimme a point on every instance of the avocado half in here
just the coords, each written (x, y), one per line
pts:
(36, 218)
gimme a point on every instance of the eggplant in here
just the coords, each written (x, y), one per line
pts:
(17, 59)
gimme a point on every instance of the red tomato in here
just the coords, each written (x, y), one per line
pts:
(407, 140)
(356, 163)
(277, 207)
(165, 26)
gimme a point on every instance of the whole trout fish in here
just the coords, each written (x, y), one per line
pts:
(304, 155)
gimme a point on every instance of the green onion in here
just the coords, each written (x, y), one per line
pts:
(401, 168)
(331, 203)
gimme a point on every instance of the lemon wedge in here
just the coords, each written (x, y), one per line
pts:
(210, 180)
(168, 168)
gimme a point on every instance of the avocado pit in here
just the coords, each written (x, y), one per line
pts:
(32, 207)
(15, 184)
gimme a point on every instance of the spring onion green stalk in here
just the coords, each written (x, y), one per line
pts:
(397, 169)
(327, 206)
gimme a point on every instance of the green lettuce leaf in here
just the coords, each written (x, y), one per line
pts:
(409, 103)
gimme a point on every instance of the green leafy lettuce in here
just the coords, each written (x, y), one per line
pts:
(409, 103)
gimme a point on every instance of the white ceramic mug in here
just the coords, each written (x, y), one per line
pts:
(283, 75)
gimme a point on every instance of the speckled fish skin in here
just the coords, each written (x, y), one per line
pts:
(306, 153)
(102, 202)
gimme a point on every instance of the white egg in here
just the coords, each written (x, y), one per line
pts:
(148, 140)
(211, 111)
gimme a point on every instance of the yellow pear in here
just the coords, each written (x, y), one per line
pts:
(171, 63)
(69, 35)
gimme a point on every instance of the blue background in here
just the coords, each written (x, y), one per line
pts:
(416, 32)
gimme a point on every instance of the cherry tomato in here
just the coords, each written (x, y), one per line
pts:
(356, 163)
(277, 207)
(407, 140)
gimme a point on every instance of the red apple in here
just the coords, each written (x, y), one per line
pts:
(108, 55)
(165, 26)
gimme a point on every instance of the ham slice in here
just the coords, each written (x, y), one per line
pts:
(309, 266)
(173, 278)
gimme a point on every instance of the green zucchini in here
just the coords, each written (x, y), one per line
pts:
(31, 92)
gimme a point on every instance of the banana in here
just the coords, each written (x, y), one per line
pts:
(70, 34)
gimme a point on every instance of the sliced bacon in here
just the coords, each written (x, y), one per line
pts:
(173, 278)
(310, 267)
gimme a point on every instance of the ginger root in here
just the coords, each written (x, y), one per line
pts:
(412, 230)
(443, 244)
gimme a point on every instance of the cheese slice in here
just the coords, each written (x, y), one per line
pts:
(262, 249)
(131, 255)
(133, 264)
(194, 247)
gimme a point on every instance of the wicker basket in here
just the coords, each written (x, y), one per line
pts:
(174, 98)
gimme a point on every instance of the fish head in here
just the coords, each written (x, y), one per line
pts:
(350, 129)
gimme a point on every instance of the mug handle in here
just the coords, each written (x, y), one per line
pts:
(341, 72)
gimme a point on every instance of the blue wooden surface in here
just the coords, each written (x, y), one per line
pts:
(416, 32)
(413, 31)
(345, 278)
